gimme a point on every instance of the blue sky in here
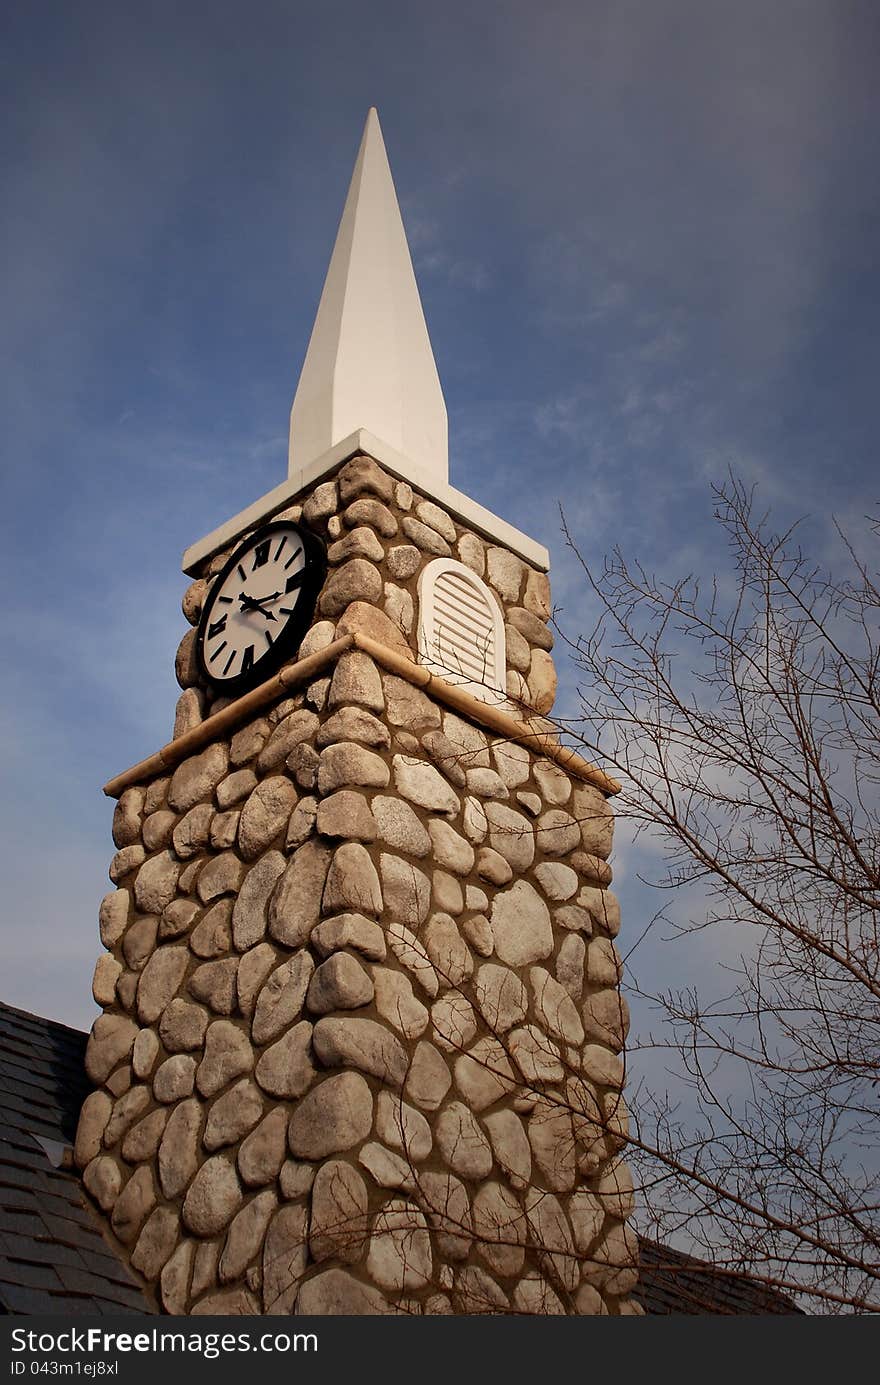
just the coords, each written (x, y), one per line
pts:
(646, 237)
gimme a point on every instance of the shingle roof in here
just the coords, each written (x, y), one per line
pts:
(54, 1257)
(672, 1282)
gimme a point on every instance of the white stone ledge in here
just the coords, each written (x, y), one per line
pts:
(461, 506)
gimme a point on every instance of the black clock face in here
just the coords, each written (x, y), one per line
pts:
(259, 607)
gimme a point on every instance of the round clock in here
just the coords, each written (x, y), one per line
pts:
(259, 607)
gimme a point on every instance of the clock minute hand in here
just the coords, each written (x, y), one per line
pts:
(253, 603)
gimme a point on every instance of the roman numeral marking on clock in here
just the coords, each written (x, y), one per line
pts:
(228, 665)
(247, 659)
(241, 572)
(291, 559)
(279, 548)
(261, 554)
(219, 650)
(269, 639)
(217, 627)
(295, 581)
(227, 600)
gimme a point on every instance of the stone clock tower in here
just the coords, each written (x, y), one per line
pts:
(360, 1049)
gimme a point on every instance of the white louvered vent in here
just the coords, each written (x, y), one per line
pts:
(461, 634)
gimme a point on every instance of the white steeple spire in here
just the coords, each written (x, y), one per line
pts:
(369, 363)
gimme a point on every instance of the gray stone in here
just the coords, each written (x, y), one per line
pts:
(403, 560)
(321, 503)
(511, 835)
(186, 669)
(521, 925)
(356, 580)
(193, 831)
(174, 1280)
(552, 1140)
(332, 1117)
(536, 1056)
(286, 1068)
(536, 597)
(316, 697)
(556, 832)
(302, 822)
(423, 785)
(411, 955)
(399, 607)
(220, 876)
(156, 883)
(407, 706)
(134, 1205)
(280, 1001)
(215, 983)
(500, 997)
(247, 743)
(499, 1229)
(144, 1053)
(352, 882)
(212, 936)
(103, 1181)
(139, 942)
(603, 963)
(530, 801)
(554, 1008)
(533, 1297)
(361, 1044)
(174, 1078)
(125, 861)
(454, 1022)
(602, 1067)
(512, 761)
(613, 1264)
(402, 1127)
(182, 1026)
(93, 1120)
(317, 638)
(228, 1055)
(233, 1115)
(428, 540)
(549, 1230)
(399, 1256)
(288, 735)
(127, 816)
(347, 764)
(339, 1224)
(113, 916)
(428, 1079)
(336, 1292)
(346, 814)
(542, 682)
(213, 1198)
(156, 1242)
(177, 918)
(235, 788)
(450, 849)
(447, 950)
(510, 1146)
(265, 815)
(360, 543)
(436, 519)
(296, 904)
(446, 1205)
(586, 1214)
(228, 1303)
(447, 893)
(340, 983)
(574, 918)
(399, 826)
(364, 476)
(484, 1075)
(350, 931)
(595, 820)
(159, 829)
(385, 1167)
(606, 1018)
(262, 1152)
(505, 573)
(406, 890)
(296, 1179)
(570, 965)
(474, 821)
(356, 680)
(478, 932)
(486, 783)
(245, 1235)
(559, 882)
(519, 654)
(142, 1141)
(353, 724)
(492, 867)
(196, 778)
(397, 1005)
(253, 969)
(472, 553)
(160, 980)
(462, 1143)
(107, 972)
(373, 513)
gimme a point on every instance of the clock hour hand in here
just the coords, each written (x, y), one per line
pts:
(255, 603)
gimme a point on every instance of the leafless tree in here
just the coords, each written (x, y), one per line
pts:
(744, 722)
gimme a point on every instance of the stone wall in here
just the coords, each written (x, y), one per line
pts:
(362, 1032)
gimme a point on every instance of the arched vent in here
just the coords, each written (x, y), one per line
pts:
(461, 633)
